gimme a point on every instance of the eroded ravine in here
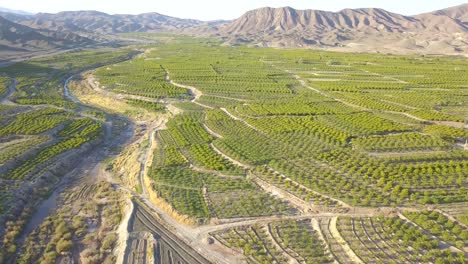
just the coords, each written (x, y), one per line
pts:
(84, 169)
(87, 167)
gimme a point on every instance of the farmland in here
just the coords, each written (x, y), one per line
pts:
(327, 131)
(43, 137)
(257, 155)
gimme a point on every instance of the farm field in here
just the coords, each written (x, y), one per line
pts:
(44, 138)
(249, 155)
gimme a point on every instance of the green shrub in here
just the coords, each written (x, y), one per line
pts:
(64, 246)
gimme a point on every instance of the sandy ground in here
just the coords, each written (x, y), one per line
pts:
(336, 234)
(316, 226)
(122, 232)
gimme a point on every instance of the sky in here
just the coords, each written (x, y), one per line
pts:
(219, 9)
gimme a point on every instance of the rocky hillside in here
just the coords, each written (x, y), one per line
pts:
(365, 30)
(18, 37)
(287, 19)
(458, 13)
(443, 31)
(98, 22)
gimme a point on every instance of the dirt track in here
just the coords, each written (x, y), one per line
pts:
(168, 248)
(5, 99)
(196, 93)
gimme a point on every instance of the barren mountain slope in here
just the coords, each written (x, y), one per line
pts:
(18, 41)
(98, 22)
(457, 12)
(289, 19)
(15, 36)
(367, 29)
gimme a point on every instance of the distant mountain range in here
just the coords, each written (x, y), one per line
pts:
(19, 12)
(442, 32)
(98, 22)
(17, 37)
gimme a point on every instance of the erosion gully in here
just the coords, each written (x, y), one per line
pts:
(87, 166)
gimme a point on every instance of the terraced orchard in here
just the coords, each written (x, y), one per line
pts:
(254, 155)
(348, 240)
(267, 134)
(393, 240)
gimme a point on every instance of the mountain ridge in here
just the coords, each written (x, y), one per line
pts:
(19, 12)
(17, 37)
(100, 22)
(363, 29)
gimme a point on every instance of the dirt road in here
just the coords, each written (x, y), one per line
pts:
(5, 99)
(195, 92)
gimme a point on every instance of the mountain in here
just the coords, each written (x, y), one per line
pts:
(459, 13)
(16, 37)
(18, 12)
(366, 29)
(98, 22)
(363, 30)
(287, 19)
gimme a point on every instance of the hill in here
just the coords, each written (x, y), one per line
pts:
(11, 11)
(459, 13)
(363, 30)
(14, 36)
(98, 22)
(19, 42)
(366, 29)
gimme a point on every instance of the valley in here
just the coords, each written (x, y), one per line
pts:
(185, 150)
(367, 30)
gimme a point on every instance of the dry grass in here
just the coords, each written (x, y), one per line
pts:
(161, 203)
(83, 227)
(82, 90)
(127, 166)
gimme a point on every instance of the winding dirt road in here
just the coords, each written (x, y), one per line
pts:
(5, 100)
(195, 92)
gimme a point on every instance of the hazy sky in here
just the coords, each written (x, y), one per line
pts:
(219, 9)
